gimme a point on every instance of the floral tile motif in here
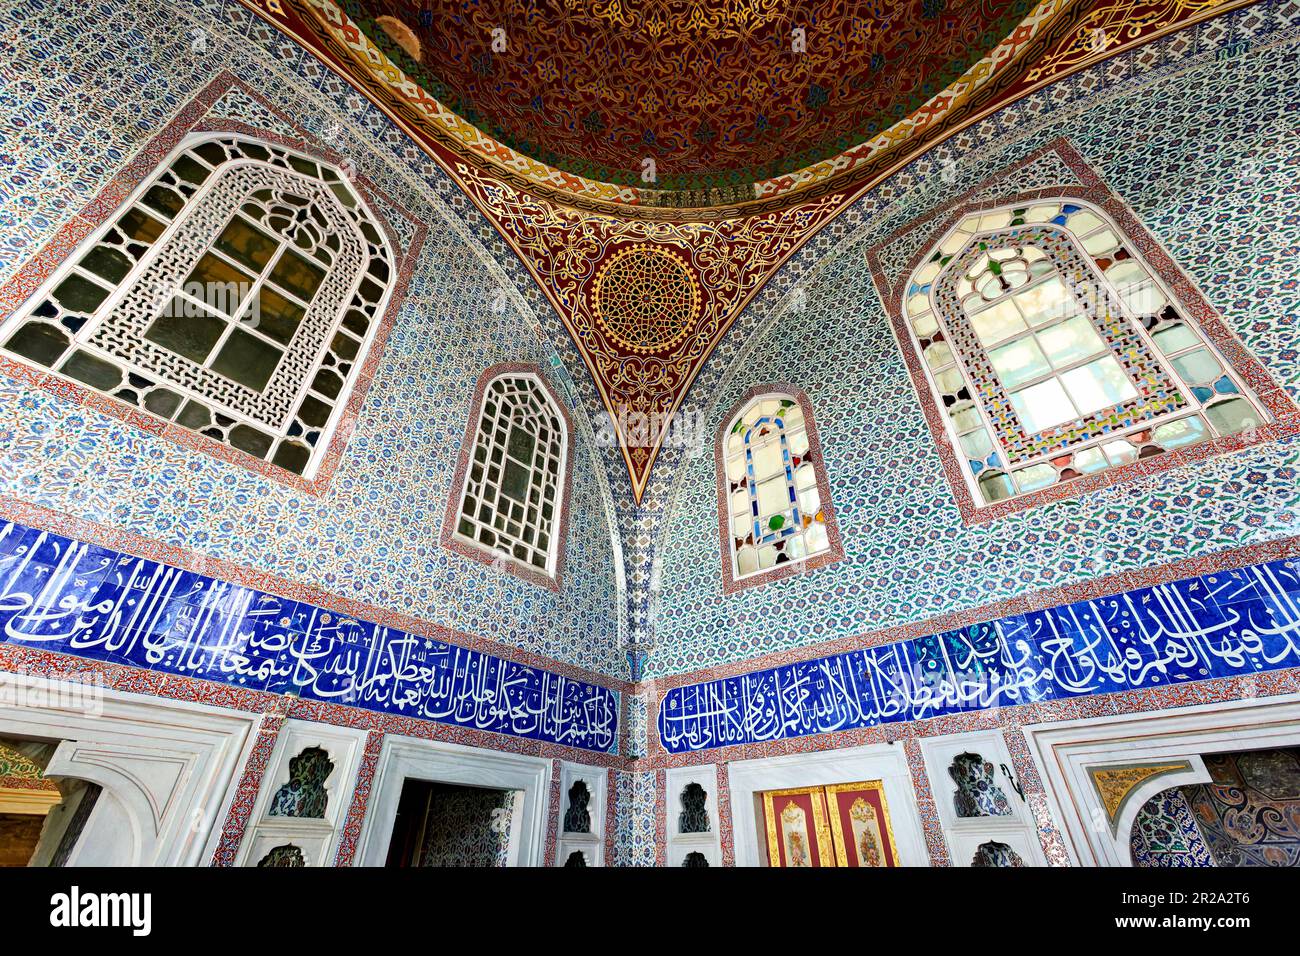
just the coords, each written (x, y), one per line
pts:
(1210, 185)
(636, 835)
(373, 535)
(1165, 833)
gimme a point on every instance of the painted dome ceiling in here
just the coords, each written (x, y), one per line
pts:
(544, 111)
(719, 94)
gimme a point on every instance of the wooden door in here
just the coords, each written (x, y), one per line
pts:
(844, 824)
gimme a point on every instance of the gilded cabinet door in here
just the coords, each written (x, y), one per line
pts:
(860, 828)
(845, 824)
(798, 834)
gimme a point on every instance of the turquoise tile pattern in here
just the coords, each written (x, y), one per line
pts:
(72, 115)
(1217, 187)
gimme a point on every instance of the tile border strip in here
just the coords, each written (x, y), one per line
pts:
(250, 783)
(137, 545)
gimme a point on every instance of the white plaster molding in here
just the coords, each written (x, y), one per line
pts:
(590, 845)
(1066, 752)
(403, 758)
(965, 834)
(168, 768)
(680, 844)
(317, 838)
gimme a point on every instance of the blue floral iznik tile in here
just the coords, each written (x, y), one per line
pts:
(72, 598)
(1150, 637)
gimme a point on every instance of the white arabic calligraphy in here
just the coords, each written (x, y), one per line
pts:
(68, 596)
(1229, 623)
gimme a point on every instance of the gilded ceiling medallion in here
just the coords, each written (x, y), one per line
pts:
(645, 299)
(652, 204)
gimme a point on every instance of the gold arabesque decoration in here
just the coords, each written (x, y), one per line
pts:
(645, 298)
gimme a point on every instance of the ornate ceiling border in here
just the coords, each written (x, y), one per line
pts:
(565, 238)
(323, 27)
(1056, 39)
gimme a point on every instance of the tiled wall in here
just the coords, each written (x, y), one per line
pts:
(635, 837)
(1249, 813)
(1245, 816)
(59, 594)
(1235, 623)
(1165, 834)
(1205, 151)
(89, 85)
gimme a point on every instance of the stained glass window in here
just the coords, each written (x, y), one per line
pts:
(511, 500)
(1055, 351)
(235, 294)
(774, 504)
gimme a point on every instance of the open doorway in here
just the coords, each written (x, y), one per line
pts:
(1247, 815)
(40, 818)
(442, 824)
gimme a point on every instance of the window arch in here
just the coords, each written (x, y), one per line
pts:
(236, 294)
(1055, 350)
(774, 506)
(510, 504)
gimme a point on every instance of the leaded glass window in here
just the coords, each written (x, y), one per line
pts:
(511, 500)
(235, 294)
(774, 505)
(1055, 351)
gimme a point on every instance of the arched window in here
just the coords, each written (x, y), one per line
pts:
(512, 476)
(774, 508)
(1056, 351)
(236, 294)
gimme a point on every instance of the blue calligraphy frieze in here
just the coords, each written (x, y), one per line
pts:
(58, 594)
(1225, 624)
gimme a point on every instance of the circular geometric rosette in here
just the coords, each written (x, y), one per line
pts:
(645, 299)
